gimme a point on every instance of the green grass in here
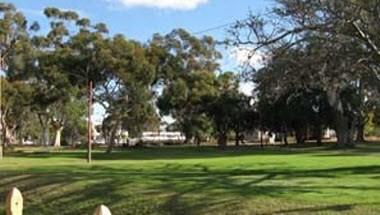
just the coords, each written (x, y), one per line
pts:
(197, 181)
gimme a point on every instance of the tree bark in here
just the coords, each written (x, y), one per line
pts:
(222, 140)
(9, 136)
(112, 140)
(343, 123)
(198, 141)
(188, 139)
(318, 133)
(284, 132)
(46, 136)
(58, 135)
(286, 139)
(360, 136)
(300, 135)
(45, 122)
(344, 130)
(237, 138)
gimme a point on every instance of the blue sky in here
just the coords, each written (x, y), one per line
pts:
(140, 19)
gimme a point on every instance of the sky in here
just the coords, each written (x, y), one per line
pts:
(140, 19)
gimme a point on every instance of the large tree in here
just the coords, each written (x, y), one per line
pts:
(317, 45)
(230, 110)
(186, 73)
(126, 94)
(15, 56)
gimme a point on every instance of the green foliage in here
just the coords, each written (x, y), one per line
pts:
(186, 98)
(185, 69)
(230, 110)
(15, 105)
(310, 47)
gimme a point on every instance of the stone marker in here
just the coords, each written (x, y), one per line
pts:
(14, 203)
(102, 210)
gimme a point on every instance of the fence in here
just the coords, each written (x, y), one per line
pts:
(15, 204)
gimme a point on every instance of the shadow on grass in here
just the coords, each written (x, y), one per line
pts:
(173, 188)
(338, 208)
(184, 152)
(176, 188)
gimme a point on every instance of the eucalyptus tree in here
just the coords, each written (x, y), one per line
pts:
(53, 89)
(126, 94)
(327, 51)
(186, 73)
(16, 103)
(15, 56)
(230, 110)
(184, 99)
(15, 48)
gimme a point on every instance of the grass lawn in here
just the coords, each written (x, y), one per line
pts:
(197, 181)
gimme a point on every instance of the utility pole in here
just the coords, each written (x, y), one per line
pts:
(1, 118)
(2, 138)
(89, 123)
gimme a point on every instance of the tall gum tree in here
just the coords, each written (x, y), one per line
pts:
(126, 95)
(339, 48)
(186, 73)
(15, 56)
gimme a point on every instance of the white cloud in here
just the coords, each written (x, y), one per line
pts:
(246, 88)
(163, 4)
(243, 55)
(32, 12)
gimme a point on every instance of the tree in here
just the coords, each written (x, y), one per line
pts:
(15, 105)
(230, 110)
(184, 99)
(186, 73)
(53, 88)
(15, 56)
(318, 48)
(126, 94)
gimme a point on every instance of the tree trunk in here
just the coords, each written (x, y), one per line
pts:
(343, 123)
(198, 141)
(72, 142)
(9, 136)
(58, 134)
(344, 130)
(112, 140)
(45, 122)
(360, 137)
(7, 133)
(318, 133)
(237, 138)
(286, 139)
(284, 133)
(46, 136)
(222, 140)
(300, 135)
(188, 139)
